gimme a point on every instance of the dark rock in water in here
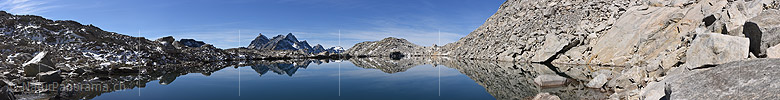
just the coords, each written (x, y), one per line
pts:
(191, 43)
(752, 79)
(50, 76)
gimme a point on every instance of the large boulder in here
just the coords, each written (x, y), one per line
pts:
(191, 43)
(713, 48)
(642, 33)
(50, 76)
(40, 63)
(551, 46)
(763, 31)
(598, 81)
(752, 79)
(653, 91)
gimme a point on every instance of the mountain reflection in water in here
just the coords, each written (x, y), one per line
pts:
(502, 80)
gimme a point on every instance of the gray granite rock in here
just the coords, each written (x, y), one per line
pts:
(545, 96)
(598, 81)
(751, 79)
(713, 48)
(773, 52)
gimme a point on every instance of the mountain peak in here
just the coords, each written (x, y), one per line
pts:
(258, 42)
(292, 37)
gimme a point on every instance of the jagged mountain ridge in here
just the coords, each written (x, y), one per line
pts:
(287, 42)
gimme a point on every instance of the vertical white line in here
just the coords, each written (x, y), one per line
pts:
(340, 64)
(139, 69)
(239, 70)
(439, 67)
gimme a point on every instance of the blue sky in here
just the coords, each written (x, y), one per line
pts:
(218, 22)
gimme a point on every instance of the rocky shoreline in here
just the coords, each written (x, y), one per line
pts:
(641, 49)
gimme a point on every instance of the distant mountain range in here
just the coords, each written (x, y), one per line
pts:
(289, 42)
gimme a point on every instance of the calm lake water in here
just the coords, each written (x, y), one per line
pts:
(357, 79)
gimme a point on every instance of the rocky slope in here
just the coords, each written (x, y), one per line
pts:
(73, 44)
(649, 39)
(386, 47)
(751, 79)
(39, 50)
(618, 33)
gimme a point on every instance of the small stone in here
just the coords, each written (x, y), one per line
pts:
(549, 80)
(598, 81)
(545, 96)
(773, 52)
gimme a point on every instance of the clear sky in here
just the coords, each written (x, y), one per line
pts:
(218, 22)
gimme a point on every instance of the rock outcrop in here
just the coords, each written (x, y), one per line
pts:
(387, 46)
(751, 79)
(617, 33)
(540, 30)
(650, 38)
(191, 43)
